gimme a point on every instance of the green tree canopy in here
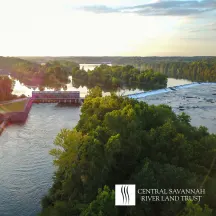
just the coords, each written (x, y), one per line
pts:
(123, 141)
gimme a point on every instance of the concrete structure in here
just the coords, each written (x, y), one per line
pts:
(66, 97)
(71, 97)
(165, 90)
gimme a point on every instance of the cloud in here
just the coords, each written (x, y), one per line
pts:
(204, 28)
(161, 8)
(199, 38)
(99, 9)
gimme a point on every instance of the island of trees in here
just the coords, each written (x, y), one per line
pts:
(116, 76)
(123, 141)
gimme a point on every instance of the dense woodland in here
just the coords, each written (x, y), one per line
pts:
(197, 68)
(105, 75)
(53, 74)
(120, 140)
(204, 70)
(57, 69)
(118, 60)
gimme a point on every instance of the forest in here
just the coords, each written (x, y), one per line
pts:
(53, 74)
(196, 68)
(123, 141)
(119, 60)
(56, 69)
(115, 76)
(204, 70)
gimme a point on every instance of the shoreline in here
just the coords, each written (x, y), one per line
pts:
(21, 116)
(15, 117)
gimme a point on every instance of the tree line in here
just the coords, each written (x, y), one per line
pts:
(105, 75)
(119, 60)
(198, 68)
(204, 70)
(123, 141)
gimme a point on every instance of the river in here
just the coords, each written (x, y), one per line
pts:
(25, 164)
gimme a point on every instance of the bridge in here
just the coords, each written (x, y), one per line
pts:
(165, 90)
(69, 97)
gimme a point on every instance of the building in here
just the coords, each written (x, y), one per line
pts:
(56, 97)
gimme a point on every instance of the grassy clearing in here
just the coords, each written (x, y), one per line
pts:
(16, 106)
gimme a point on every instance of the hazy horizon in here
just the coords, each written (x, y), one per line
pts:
(108, 28)
(62, 56)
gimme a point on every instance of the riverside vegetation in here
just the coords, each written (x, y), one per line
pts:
(55, 75)
(6, 88)
(121, 141)
(196, 68)
(116, 76)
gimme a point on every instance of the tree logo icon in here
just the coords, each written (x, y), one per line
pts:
(125, 195)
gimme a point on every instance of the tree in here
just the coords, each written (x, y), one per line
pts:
(95, 92)
(104, 205)
(6, 88)
(123, 141)
(192, 209)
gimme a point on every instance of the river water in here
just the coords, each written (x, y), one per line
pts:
(25, 164)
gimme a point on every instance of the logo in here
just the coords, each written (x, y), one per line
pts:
(125, 195)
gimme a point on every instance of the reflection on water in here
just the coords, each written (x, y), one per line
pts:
(26, 166)
(20, 89)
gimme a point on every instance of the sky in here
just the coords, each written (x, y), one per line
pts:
(108, 28)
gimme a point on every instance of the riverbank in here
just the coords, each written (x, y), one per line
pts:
(17, 105)
(19, 114)
(3, 125)
(14, 112)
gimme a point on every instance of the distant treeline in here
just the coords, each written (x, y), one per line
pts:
(118, 60)
(105, 75)
(197, 68)
(204, 70)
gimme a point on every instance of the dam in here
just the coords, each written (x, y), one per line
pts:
(72, 97)
(60, 97)
(165, 90)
